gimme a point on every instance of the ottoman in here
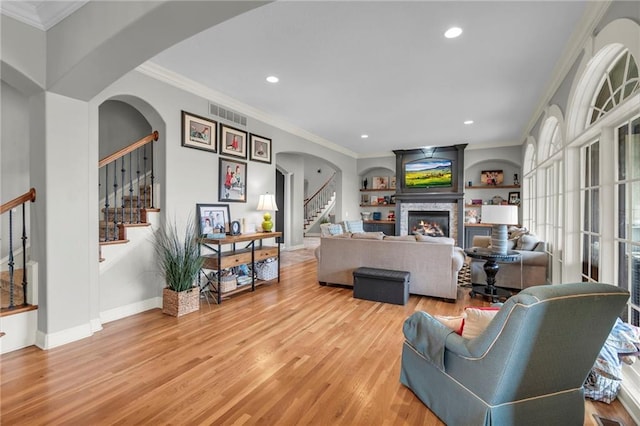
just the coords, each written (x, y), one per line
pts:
(381, 285)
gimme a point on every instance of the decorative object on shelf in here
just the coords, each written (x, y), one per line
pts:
(199, 132)
(392, 182)
(232, 181)
(391, 215)
(514, 198)
(392, 199)
(377, 215)
(373, 200)
(499, 216)
(233, 141)
(365, 182)
(235, 228)
(470, 183)
(380, 182)
(213, 219)
(471, 216)
(179, 261)
(492, 177)
(497, 200)
(365, 215)
(267, 203)
(476, 201)
(515, 179)
(260, 148)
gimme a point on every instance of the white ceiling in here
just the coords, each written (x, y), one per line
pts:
(384, 68)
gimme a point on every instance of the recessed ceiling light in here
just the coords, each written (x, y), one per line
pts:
(453, 32)
(364, 136)
(468, 122)
(273, 79)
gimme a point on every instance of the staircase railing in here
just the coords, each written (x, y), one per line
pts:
(125, 181)
(8, 207)
(316, 203)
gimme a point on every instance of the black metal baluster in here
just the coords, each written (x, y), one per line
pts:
(130, 192)
(11, 263)
(106, 202)
(152, 177)
(146, 172)
(122, 203)
(24, 254)
(115, 198)
(138, 204)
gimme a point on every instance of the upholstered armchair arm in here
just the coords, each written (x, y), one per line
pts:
(427, 336)
(458, 259)
(534, 258)
(481, 241)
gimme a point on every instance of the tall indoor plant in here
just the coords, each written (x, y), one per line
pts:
(180, 262)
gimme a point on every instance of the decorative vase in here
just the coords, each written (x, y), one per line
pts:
(267, 225)
(365, 182)
(180, 303)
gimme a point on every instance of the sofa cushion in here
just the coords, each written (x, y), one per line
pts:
(335, 229)
(368, 235)
(345, 235)
(454, 323)
(430, 239)
(354, 226)
(400, 237)
(476, 319)
(527, 242)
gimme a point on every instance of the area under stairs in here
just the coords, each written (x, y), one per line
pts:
(317, 215)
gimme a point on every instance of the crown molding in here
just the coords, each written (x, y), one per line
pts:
(594, 12)
(181, 82)
(41, 15)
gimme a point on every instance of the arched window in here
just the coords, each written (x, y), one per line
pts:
(618, 83)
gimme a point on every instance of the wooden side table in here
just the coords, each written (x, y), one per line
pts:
(491, 269)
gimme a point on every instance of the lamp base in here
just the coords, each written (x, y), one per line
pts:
(499, 239)
(267, 225)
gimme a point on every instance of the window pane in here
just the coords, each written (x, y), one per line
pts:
(595, 210)
(634, 207)
(623, 270)
(616, 75)
(587, 156)
(586, 210)
(634, 150)
(630, 88)
(622, 211)
(585, 255)
(595, 258)
(595, 161)
(622, 152)
(633, 68)
(603, 95)
(635, 278)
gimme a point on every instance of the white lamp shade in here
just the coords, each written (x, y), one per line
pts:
(267, 202)
(499, 214)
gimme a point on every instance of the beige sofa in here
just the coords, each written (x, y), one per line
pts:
(433, 266)
(530, 270)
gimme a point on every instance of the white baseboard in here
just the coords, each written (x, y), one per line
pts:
(629, 395)
(131, 309)
(20, 331)
(59, 338)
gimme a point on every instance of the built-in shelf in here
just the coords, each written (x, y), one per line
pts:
(493, 187)
(378, 205)
(378, 190)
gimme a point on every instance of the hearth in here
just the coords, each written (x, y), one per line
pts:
(431, 223)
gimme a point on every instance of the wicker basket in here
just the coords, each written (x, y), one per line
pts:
(180, 303)
(228, 283)
(267, 270)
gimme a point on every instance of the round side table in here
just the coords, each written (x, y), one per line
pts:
(491, 268)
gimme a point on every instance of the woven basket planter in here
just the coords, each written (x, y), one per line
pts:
(180, 303)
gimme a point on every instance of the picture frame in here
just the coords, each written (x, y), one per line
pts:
(232, 180)
(199, 132)
(213, 218)
(514, 197)
(392, 182)
(492, 177)
(233, 141)
(260, 148)
(380, 182)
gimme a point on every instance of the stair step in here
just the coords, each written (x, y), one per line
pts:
(132, 201)
(18, 290)
(126, 215)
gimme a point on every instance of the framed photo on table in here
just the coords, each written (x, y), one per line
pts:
(233, 141)
(199, 132)
(514, 198)
(213, 218)
(232, 181)
(260, 148)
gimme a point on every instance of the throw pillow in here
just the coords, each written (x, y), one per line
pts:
(430, 239)
(527, 242)
(324, 229)
(368, 235)
(454, 323)
(476, 319)
(400, 237)
(335, 229)
(343, 235)
(354, 226)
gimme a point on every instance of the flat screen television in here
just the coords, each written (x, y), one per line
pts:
(428, 173)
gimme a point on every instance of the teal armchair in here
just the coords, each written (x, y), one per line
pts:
(527, 367)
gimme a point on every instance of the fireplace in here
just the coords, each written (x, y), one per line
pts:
(431, 223)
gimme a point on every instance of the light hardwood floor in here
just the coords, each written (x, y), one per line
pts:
(289, 353)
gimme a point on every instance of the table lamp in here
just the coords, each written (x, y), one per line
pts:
(267, 203)
(499, 216)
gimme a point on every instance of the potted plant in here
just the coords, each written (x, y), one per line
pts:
(180, 262)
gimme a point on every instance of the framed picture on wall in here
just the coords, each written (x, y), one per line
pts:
(260, 148)
(199, 132)
(233, 141)
(492, 177)
(213, 218)
(233, 181)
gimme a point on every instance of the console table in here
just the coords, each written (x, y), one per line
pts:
(491, 269)
(249, 254)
